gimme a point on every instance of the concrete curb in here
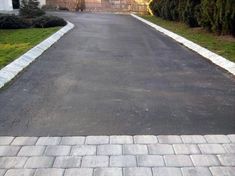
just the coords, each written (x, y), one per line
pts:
(10, 71)
(214, 58)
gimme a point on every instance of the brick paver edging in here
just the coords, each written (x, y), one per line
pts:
(10, 71)
(213, 57)
(140, 155)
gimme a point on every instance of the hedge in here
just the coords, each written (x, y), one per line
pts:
(215, 15)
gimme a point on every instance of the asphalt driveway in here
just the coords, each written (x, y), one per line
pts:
(113, 74)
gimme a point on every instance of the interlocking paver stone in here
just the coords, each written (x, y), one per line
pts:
(79, 172)
(123, 161)
(72, 140)
(230, 148)
(138, 155)
(95, 161)
(193, 139)
(97, 140)
(186, 149)
(135, 149)
(49, 172)
(48, 141)
(217, 139)
(150, 160)
(31, 151)
(196, 171)
(121, 140)
(205, 160)
(211, 148)
(167, 171)
(39, 162)
(108, 172)
(83, 150)
(171, 139)
(222, 171)
(12, 162)
(161, 149)
(178, 160)
(20, 172)
(6, 140)
(24, 141)
(9, 150)
(227, 160)
(67, 162)
(145, 139)
(137, 171)
(57, 150)
(109, 150)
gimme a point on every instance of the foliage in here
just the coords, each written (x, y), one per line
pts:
(191, 12)
(12, 22)
(48, 21)
(214, 15)
(30, 9)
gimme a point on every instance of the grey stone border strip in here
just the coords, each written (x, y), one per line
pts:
(214, 58)
(120, 155)
(10, 71)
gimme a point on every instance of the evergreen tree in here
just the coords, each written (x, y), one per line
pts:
(30, 9)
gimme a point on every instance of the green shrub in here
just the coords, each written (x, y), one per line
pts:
(215, 15)
(166, 9)
(224, 17)
(191, 12)
(181, 9)
(48, 21)
(207, 13)
(12, 22)
(30, 9)
(155, 6)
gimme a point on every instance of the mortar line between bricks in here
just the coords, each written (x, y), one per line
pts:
(12, 139)
(17, 150)
(151, 170)
(172, 145)
(216, 155)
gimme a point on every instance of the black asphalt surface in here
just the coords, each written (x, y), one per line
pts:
(112, 74)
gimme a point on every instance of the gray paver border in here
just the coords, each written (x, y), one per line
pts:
(10, 71)
(59, 162)
(213, 57)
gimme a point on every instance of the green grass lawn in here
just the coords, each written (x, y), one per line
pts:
(15, 42)
(222, 45)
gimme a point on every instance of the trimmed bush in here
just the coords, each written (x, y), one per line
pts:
(191, 12)
(166, 9)
(12, 22)
(215, 15)
(48, 21)
(30, 9)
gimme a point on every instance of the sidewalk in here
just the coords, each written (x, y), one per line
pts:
(209, 155)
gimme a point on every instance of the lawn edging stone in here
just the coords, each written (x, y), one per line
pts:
(10, 71)
(213, 57)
